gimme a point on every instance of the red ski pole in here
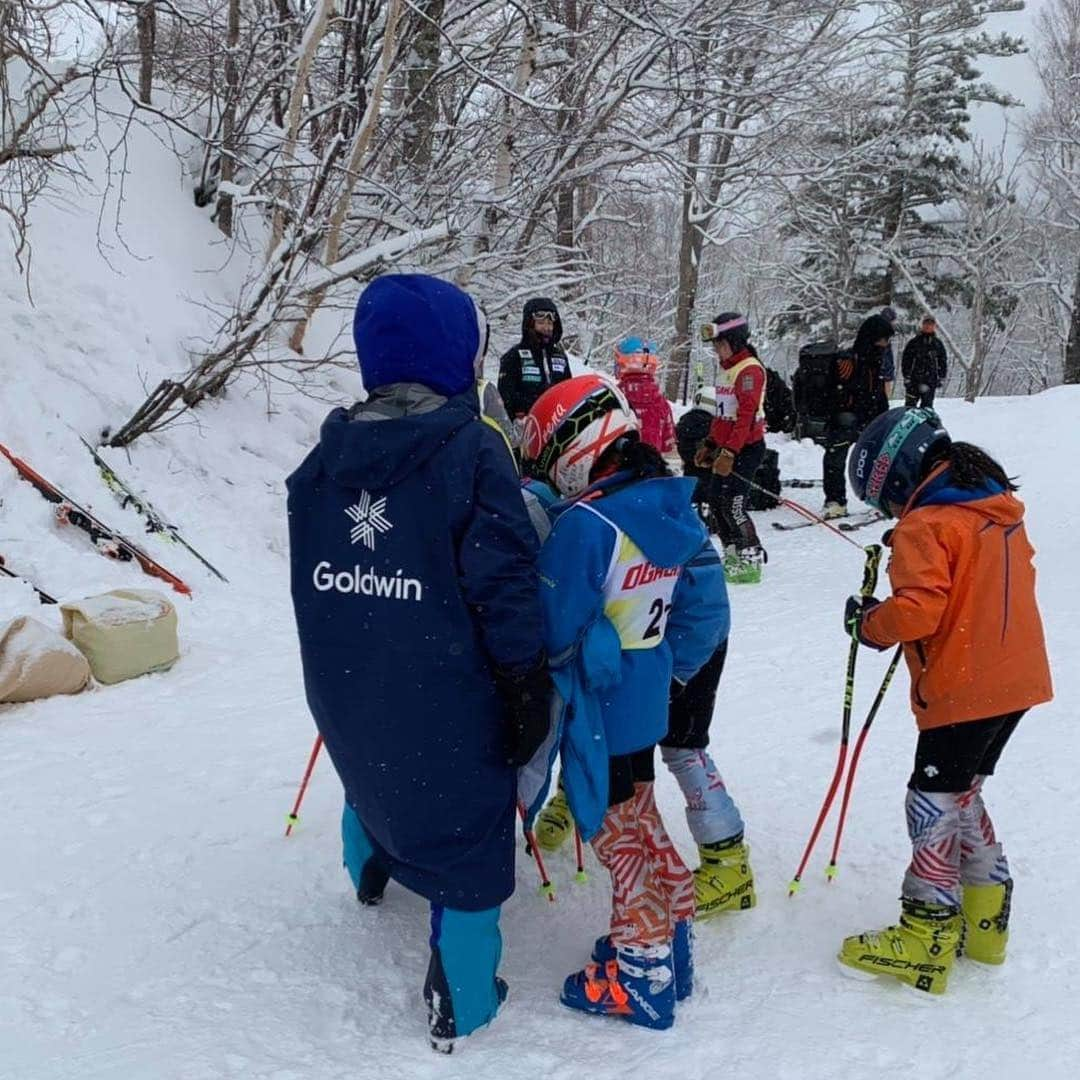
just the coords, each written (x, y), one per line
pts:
(830, 870)
(546, 888)
(294, 818)
(798, 507)
(870, 574)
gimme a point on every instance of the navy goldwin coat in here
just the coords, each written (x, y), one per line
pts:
(413, 578)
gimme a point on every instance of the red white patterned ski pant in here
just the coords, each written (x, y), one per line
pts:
(651, 887)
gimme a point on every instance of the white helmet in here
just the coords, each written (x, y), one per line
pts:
(705, 398)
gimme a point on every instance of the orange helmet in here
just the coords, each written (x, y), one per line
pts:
(633, 354)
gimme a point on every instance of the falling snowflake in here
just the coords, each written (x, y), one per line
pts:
(369, 518)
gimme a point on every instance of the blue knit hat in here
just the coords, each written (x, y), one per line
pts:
(418, 328)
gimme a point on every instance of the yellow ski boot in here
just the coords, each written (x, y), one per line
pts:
(920, 951)
(724, 880)
(555, 823)
(986, 921)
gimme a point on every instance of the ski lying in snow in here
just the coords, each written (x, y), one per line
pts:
(45, 597)
(844, 524)
(155, 523)
(796, 483)
(106, 540)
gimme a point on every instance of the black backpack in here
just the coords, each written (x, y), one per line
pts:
(816, 387)
(779, 406)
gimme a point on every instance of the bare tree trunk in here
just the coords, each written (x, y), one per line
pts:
(280, 50)
(504, 154)
(313, 35)
(974, 372)
(422, 101)
(146, 30)
(565, 229)
(689, 262)
(1072, 345)
(228, 120)
(352, 170)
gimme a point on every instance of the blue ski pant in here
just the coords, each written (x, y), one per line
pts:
(466, 946)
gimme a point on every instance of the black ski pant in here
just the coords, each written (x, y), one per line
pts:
(731, 496)
(920, 395)
(949, 758)
(690, 712)
(626, 770)
(843, 430)
(834, 468)
(704, 497)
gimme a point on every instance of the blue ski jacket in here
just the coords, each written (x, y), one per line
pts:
(413, 578)
(633, 595)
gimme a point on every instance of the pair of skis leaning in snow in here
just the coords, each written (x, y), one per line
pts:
(622, 605)
(110, 542)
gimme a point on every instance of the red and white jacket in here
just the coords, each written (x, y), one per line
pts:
(740, 403)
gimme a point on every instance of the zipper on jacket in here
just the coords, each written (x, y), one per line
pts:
(1008, 575)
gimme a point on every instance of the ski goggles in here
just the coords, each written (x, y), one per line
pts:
(550, 316)
(710, 331)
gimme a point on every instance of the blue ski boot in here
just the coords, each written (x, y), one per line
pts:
(682, 956)
(637, 986)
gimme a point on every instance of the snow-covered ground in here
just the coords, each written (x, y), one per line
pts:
(155, 923)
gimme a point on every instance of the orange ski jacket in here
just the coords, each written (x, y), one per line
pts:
(964, 607)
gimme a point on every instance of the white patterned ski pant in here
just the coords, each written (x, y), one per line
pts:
(952, 837)
(711, 812)
(952, 844)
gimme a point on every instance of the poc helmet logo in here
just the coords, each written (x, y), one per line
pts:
(860, 465)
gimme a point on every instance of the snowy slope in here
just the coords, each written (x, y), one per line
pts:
(157, 926)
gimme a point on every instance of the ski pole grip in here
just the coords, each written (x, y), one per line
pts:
(870, 570)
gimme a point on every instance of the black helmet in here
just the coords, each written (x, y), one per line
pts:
(893, 455)
(730, 327)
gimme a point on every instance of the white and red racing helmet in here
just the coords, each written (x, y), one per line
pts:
(570, 425)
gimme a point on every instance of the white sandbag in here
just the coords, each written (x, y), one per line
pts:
(123, 633)
(36, 662)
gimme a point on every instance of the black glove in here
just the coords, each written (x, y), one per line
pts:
(855, 610)
(526, 699)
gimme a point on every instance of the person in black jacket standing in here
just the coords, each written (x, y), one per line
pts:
(536, 362)
(923, 365)
(859, 397)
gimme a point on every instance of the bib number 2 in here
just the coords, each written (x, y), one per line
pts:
(658, 613)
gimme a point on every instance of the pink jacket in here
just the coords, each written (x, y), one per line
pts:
(652, 409)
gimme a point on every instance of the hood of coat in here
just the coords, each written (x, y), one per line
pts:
(421, 329)
(991, 500)
(872, 330)
(657, 515)
(378, 444)
(540, 303)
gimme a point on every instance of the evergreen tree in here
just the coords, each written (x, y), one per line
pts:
(899, 159)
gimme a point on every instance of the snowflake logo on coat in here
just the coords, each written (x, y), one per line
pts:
(368, 517)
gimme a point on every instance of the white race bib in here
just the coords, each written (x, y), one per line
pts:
(637, 594)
